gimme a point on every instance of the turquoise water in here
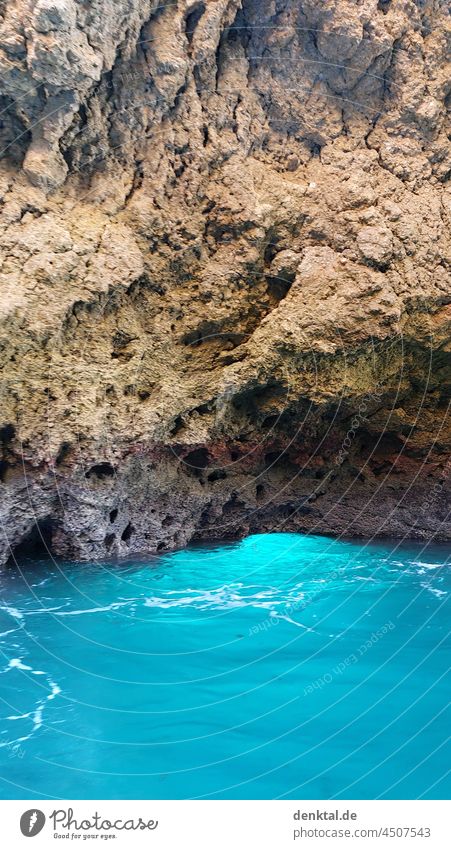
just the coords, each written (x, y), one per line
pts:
(281, 666)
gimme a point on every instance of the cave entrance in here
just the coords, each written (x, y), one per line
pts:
(36, 543)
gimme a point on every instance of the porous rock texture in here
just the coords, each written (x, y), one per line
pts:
(225, 271)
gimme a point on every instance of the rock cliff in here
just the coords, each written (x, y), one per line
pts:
(225, 285)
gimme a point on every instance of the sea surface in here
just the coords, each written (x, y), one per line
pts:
(282, 666)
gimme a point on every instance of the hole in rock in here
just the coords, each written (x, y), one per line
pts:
(178, 425)
(63, 453)
(109, 539)
(278, 287)
(271, 251)
(168, 520)
(193, 338)
(37, 542)
(122, 355)
(197, 460)
(217, 475)
(127, 532)
(233, 505)
(4, 466)
(261, 400)
(202, 409)
(259, 491)
(270, 421)
(205, 517)
(390, 443)
(274, 457)
(100, 471)
(160, 546)
(113, 515)
(192, 20)
(7, 434)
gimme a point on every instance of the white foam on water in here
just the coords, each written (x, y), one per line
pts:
(217, 599)
(55, 690)
(16, 663)
(11, 631)
(434, 590)
(36, 714)
(16, 614)
(113, 606)
(19, 716)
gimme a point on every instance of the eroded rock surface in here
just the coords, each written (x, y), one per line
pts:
(225, 274)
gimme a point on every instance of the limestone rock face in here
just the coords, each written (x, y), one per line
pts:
(225, 288)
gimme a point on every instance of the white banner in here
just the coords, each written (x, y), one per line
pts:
(225, 824)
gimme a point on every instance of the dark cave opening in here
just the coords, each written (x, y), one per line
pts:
(233, 506)
(197, 460)
(63, 453)
(127, 533)
(278, 287)
(7, 434)
(109, 539)
(217, 475)
(167, 521)
(36, 543)
(100, 471)
(259, 492)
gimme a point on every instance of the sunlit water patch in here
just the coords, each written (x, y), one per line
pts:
(281, 666)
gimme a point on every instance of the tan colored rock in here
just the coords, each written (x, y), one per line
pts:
(223, 241)
(376, 244)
